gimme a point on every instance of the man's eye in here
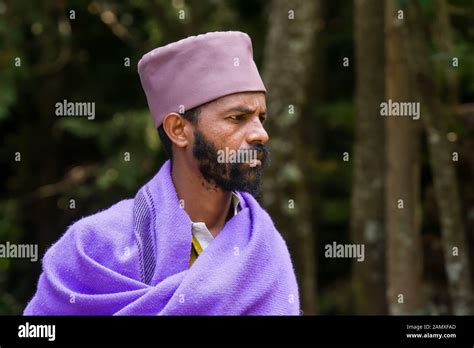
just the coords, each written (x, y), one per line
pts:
(262, 119)
(237, 117)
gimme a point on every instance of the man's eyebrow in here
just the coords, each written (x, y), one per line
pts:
(245, 110)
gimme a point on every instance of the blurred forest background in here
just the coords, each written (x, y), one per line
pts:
(340, 171)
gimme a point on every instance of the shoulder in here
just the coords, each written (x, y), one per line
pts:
(262, 218)
(112, 219)
(112, 227)
(248, 201)
(106, 238)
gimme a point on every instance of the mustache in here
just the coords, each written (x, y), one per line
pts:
(261, 151)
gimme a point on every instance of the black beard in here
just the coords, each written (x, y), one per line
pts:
(229, 176)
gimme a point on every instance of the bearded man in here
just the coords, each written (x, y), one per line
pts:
(194, 240)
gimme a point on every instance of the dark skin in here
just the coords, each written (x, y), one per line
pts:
(234, 121)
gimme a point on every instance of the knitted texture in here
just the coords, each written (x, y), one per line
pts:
(133, 259)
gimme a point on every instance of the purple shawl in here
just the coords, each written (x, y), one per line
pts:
(133, 259)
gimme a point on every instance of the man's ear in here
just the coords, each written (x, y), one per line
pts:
(174, 127)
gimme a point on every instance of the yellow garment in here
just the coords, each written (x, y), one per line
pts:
(196, 250)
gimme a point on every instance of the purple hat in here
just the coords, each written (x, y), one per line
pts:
(196, 70)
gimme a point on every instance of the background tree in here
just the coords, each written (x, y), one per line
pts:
(368, 214)
(404, 251)
(442, 157)
(290, 37)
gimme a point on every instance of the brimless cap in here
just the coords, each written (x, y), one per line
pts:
(196, 70)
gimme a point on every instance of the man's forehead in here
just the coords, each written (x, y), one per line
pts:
(245, 100)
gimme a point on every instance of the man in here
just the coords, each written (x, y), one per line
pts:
(193, 241)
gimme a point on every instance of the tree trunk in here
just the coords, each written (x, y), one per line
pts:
(441, 159)
(368, 214)
(289, 43)
(404, 252)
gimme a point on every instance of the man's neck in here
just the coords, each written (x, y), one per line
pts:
(202, 202)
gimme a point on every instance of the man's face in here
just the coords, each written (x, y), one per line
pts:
(229, 142)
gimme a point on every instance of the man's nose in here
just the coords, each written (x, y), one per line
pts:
(257, 134)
